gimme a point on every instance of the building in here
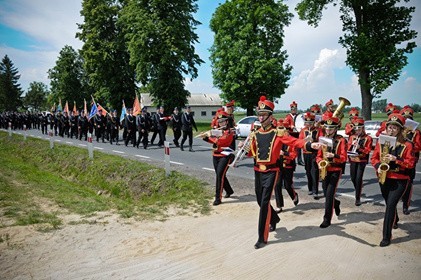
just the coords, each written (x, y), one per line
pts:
(203, 106)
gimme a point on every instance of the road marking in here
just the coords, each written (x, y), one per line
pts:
(141, 156)
(209, 169)
(82, 145)
(58, 140)
(98, 148)
(178, 163)
(29, 135)
(118, 152)
(69, 142)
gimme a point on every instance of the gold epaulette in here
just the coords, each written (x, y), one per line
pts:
(281, 132)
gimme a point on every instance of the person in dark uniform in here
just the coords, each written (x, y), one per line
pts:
(188, 123)
(287, 167)
(131, 128)
(113, 127)
(311, 133)
(413, 136)
(155, 124)
(400, 160)
(265, 147)
(334, 156)
(162, 126)
(142, 123)
(99, 122)
(82, 124)
(359, 148)
(44, 123)
(73, 125)
(221, 159)
(176, 126)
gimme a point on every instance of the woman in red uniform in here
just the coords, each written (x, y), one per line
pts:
(335, 156)
(222, 160)
(400, 159)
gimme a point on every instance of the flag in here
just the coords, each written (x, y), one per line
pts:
(59, 107)
(104, 112)
(94, 109)
(123, 112)
(141, 102)
(136, 106)
(85, 108)
(66, 107)
(53, 109)
(74, 108)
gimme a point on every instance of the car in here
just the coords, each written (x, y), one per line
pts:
(243, 126)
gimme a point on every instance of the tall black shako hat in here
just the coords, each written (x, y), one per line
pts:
(265, 105)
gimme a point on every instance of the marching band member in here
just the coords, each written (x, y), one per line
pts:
(221, 160)
(265, 147)
(229, 108)
(390, 108)
(329, 106)
(315, 109)
(311, 133)
(359, 147)
(286, 167)
(290, 120)
(413, 136)
(399, 160)
(335, 157)
(349, 129)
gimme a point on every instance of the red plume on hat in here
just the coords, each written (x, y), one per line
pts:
(353, 112)
(230, 104)
(390, 108)
(293, 104)
(330, 102)
(407, 111)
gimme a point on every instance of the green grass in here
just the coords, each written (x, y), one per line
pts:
(38, 184)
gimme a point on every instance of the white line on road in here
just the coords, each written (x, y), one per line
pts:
(209, 169)
(68, 142)
(29, 135)
(174, 162)
(118, 152)
(82, 145)
(141, 156)
(58, 140)
(98, 148)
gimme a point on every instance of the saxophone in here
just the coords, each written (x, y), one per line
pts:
(384, 163)
(323, 164)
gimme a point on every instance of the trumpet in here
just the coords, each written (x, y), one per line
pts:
(384, 165)
(242, 151)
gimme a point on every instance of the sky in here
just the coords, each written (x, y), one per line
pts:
(32, 33)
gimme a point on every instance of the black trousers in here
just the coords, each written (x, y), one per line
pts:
(357, 172)
(330, 184)
(177, 135)
(220, 164)
(131, 136)
(406, 198)
(99, 133)
(264, 184)
(187, 133)
(162, 131)
(143, 137)
(285, 179)
(312, 173)
(392, 191)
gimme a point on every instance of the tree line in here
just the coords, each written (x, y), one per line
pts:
(133, 46)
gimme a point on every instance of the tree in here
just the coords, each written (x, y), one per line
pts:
(67, 77)
(105, 53)
(36, 96)
(10, 90)
(247, 56)
(379, 105)
(376, 37)
(160, 37)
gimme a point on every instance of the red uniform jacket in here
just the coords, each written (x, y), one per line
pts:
(349, 129)
(315, 133)
(339, 151)
(364, 147)
(381, 129)
(221, 142)
(399, 168)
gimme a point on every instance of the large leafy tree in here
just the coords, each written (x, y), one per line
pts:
(67, 78)
(10, 90)
(160, 37)
(36, 96)
(105, 52)
(377, 37)
(247, 56)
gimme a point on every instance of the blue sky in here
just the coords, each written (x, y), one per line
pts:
(32, 33)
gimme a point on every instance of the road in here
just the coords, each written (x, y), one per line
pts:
(201, 160)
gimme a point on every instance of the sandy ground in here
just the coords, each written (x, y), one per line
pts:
(219, 246)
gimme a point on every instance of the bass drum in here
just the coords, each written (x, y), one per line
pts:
(299, 122)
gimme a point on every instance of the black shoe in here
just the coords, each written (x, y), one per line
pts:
(259, 245)
(216, 202)
(358, 202)
(310, 193)
(316, 197)
(395, 225)
(272, 227)
(191, 150)
(145, 147)
(296, 200)
(384, 243)
(181, 148)
(406, 211)
(325, 224)
(227, 195)
(337, 209)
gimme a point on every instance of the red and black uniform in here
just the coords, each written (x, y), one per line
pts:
(413, 136)
(287, 167)
(358, 161)
(333, 175)
(266, 144)
(397, 179)
(221, 162)
(310, 164)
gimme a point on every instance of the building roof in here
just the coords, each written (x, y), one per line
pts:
(196, 99)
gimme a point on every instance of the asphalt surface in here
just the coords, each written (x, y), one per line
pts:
(200, 162)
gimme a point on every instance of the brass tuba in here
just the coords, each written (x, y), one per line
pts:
(384, 163)
(342, 103)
